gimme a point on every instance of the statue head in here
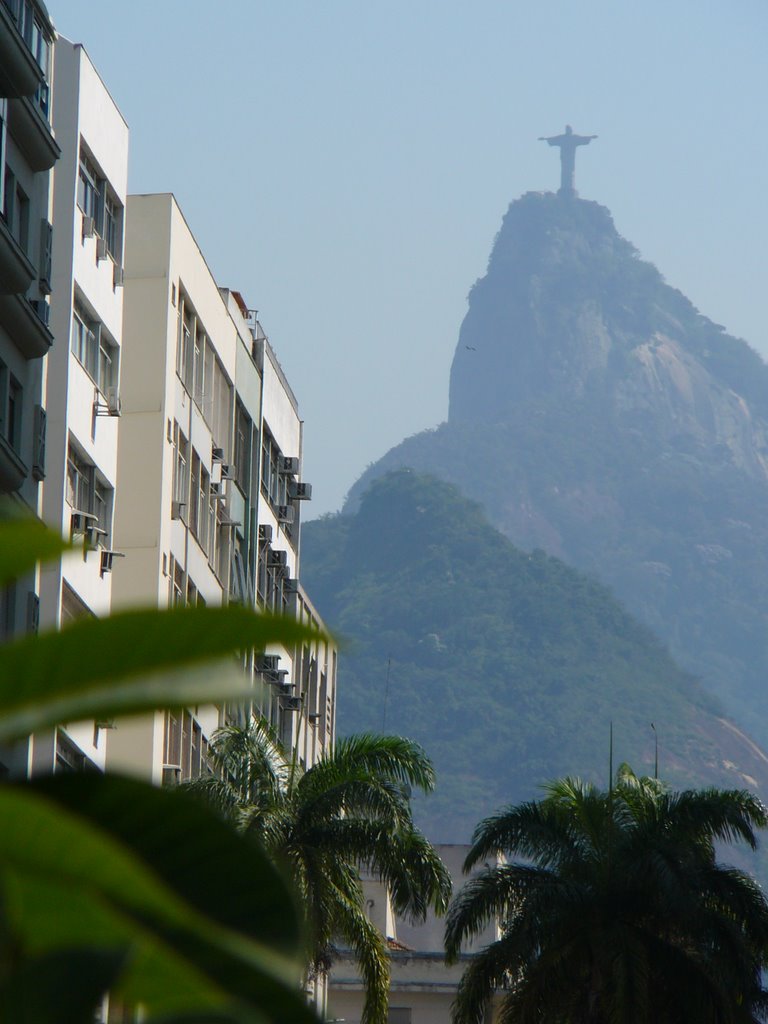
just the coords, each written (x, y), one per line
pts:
(568, 130)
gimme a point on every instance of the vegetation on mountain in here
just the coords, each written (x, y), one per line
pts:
(597, 415)
(613, 908)
(320, 825)
(109, 884)
(507, 666)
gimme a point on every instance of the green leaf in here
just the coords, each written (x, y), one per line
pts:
(41, 991)
(132, 662)
(23, 543)
(200, 914)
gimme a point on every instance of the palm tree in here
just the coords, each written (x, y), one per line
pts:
(350, 809)
(616, 911)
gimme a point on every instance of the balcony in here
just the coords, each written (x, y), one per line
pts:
(33, 133)
(16, 271)
(20, 73)
(24, 324)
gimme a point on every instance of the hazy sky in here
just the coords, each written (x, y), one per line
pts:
(346, 166)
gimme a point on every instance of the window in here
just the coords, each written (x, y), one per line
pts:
(399, 1015)
(203, 499)
(199, 367)
(13, 413)
(175, 584)
(89, 191)
(194, 512)
(10, 408)
(221, 558)
(85, 340)
(79, 482)
(211, 534)
(20, 220)
(3, 123)
(9, 194)
(242, 448)
(273, 482)
(107, 377)
(221, 424)
(180, 466)
(185, 747)
(88, 492)
(94, 349)
(184, 341)
(262, 575)
(113, 223)
(69, 758)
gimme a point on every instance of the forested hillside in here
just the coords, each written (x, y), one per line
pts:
(507, 666)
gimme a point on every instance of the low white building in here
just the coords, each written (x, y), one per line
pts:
(423, 986)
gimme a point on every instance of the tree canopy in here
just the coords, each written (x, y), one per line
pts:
(613, 908)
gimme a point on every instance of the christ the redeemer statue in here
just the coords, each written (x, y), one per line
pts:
(567, 143)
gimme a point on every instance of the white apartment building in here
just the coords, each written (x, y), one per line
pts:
(208, 484)
(82, 400)
(28, 151)
(422, 986)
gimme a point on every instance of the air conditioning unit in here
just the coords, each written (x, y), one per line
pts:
(227, 472)
(80, 521)
(291, 586)
(217, 492)
(288, 464)
(217, 454)
(292, 703)
(177, 509)
(269, 662)
(113, 400)
(118, 277)
(171, 774)
(300, 492)
(285, 513)
(42, 310)
(93, 535)
(101, 249)
(265, 533)
(89, 227)
(278, 559)
(107, 558)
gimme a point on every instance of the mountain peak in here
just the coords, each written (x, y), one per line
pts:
(567, 309)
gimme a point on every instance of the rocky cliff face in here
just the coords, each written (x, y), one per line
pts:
(567, 310)
(598, 415)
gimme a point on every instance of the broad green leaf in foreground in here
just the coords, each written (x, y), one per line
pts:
(131, 662)
(24, 543)
(41, 991)
(201, 917)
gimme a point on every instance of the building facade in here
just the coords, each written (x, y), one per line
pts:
(28, 152)
(83, 377)
(209, 488)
